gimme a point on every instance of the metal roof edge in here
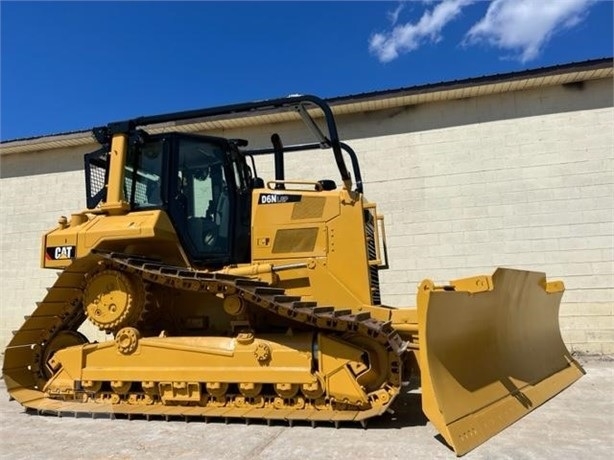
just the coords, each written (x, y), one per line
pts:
(370, 101)
(589, 65)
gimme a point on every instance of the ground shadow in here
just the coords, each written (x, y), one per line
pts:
(406, 411)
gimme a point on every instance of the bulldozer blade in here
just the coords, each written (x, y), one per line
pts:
(490, 352)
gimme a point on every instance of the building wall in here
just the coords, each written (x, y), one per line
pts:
(522, 179)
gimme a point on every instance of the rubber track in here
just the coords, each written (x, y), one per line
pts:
(24, 381)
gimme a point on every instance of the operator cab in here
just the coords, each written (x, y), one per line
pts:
(204, 185)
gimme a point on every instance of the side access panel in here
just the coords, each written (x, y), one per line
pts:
(490, 352)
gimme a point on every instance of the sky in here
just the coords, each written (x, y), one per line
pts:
(67, 66)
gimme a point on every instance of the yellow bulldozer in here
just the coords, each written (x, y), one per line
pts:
(226, 296)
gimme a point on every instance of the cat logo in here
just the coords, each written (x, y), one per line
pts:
(60, 252)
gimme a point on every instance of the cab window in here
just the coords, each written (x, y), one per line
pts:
(143, 176)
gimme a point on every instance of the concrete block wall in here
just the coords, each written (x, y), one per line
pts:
(521, 179)
(530, 188)
(35, 190)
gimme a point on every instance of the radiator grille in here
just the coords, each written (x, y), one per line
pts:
(373, 270)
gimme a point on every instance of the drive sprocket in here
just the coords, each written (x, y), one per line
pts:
(113, 299)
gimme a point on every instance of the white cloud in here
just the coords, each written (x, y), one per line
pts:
(525, 26)
(408, 37)
(394, 15)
